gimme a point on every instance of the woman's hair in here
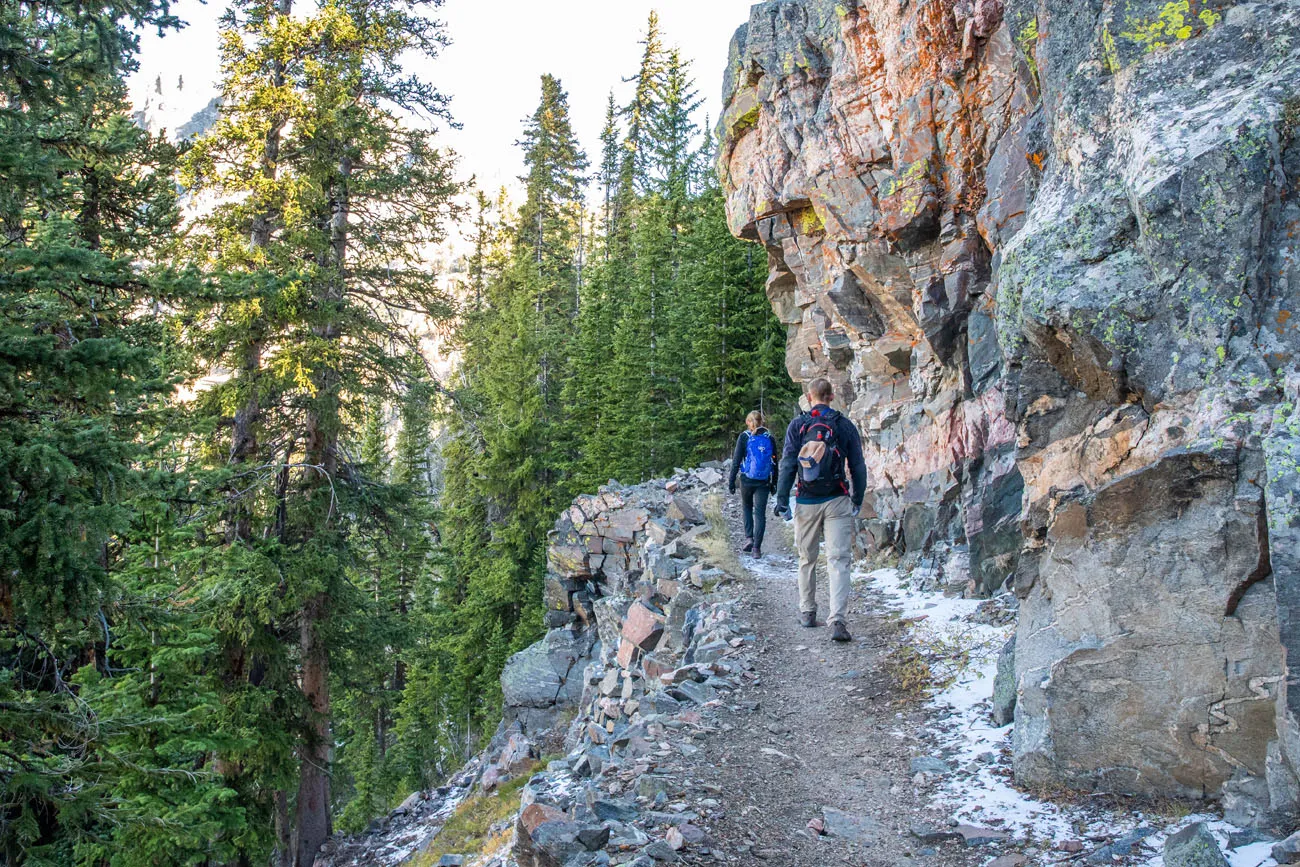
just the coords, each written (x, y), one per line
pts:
(754, 420)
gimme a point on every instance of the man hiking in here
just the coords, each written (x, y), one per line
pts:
(819, 445)
(755, 463)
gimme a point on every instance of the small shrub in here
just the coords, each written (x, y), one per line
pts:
(931, 659)
(1291, 120)
(910, 674)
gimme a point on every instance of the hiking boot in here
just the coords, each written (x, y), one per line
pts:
(808, 619)
(840, 632)
(749, 546)
(758, 555)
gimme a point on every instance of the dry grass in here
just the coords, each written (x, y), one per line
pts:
(469, 830)
(1168, 810)
(716, 544)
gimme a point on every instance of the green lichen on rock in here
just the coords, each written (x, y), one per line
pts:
(1109, 51)
(911, 177)
(1175, 23)
(809, 222)
(747, 121)
(1027, 39)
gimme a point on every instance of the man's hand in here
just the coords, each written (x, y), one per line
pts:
(731, 489)
(856, 510)
(780, 509)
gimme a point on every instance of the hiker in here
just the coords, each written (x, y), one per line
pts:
(755, 462)
(818, 446)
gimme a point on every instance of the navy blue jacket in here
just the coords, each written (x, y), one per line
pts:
(850, 443)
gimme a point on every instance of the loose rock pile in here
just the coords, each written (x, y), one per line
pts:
(638, 652)
(627, 565)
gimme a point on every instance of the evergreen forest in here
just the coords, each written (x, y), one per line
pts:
(260, 567)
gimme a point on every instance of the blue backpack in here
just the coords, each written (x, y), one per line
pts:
(758, 457)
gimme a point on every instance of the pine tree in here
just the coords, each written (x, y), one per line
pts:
(670, 161)
(513, 447)
(610, 164)
(84, 198)
(482, 240)
(634, 169)
(737, 344)
(548, 256)
(618, 336)
(671, 167)
(677, 312)
(315, 247)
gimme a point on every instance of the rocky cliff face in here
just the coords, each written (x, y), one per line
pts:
(1049, 253)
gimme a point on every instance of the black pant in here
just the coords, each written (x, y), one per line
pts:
(753, 500)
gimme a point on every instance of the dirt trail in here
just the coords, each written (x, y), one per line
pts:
(816, 732)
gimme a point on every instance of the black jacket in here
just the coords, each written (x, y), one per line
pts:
(851, 441)
(738, 457)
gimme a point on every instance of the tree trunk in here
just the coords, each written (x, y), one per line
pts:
(313, 825)
(313, 818)
(283, 831)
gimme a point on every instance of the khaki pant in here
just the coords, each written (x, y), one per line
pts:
(834, 520)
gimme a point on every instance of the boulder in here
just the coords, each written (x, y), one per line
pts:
(594, 838)
(1287, 851)
(610, 611)
(1121, 848)
(660, 852)
(710, 474)
(850, 826)
(517, 757)
(930, 765)
(931, 834)
(682, 618)
(650, 785)
(1004, 686)
(1194, 846)
(538, 683)
(643, 627)
(611, 810)
(550, 844)
(628, 654)
(973, 835)
(568, 561)
(684, 511)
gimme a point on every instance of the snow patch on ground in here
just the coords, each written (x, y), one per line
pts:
(980, 791)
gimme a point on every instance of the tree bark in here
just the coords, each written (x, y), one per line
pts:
(313, 824)
(283, 831)
(313, 817)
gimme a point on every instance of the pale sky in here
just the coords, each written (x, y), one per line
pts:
(500, 49)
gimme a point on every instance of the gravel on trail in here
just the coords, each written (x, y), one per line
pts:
(811, 762)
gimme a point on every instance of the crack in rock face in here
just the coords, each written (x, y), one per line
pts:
(1048, 254)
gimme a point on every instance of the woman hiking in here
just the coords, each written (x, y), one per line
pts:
(755, 462)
